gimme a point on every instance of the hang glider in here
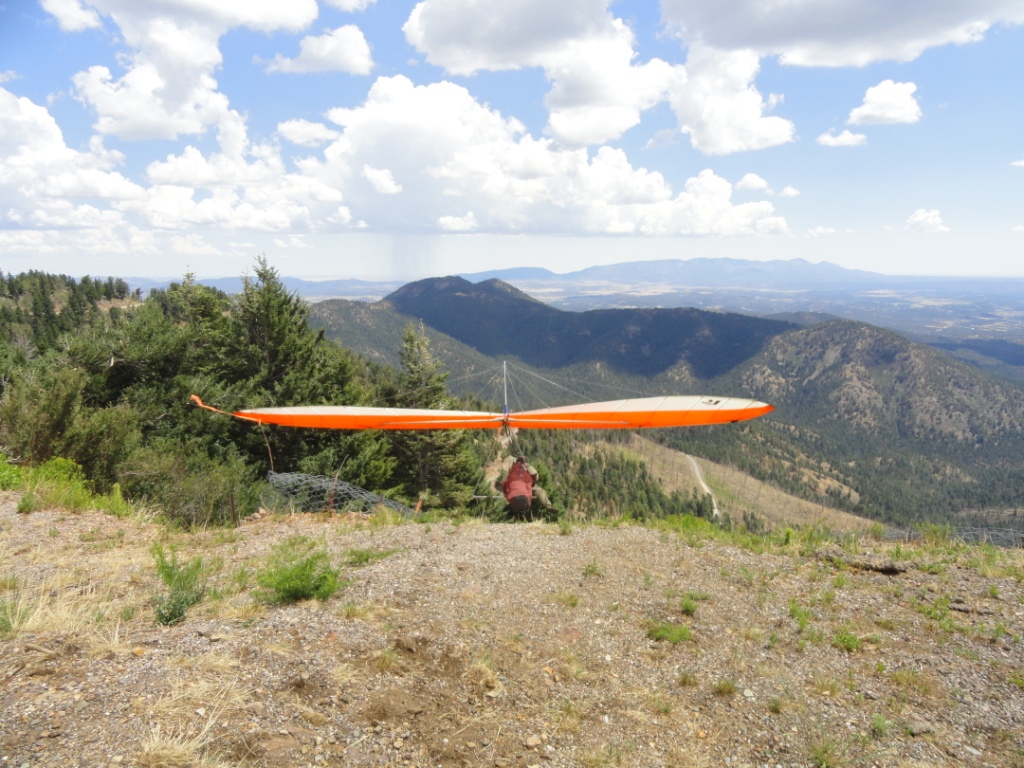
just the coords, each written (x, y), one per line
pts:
(635, 413)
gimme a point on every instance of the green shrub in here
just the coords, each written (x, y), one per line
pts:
(188, 486)
(29, 502)
(10, 476)
(184, 586)
(847, 641)
(673, 633)
(298, 570)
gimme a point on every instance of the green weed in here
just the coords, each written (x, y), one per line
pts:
(673, 633)
(359, 557)
(184, 585)
(298, 570)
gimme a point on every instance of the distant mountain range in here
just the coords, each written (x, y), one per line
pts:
(780, 274)
(977, 320)
(866, 419)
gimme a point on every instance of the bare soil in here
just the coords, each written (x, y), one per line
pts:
(506, 645)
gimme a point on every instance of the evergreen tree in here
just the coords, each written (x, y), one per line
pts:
(437, 466)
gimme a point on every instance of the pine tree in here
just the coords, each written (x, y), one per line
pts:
(434, 465)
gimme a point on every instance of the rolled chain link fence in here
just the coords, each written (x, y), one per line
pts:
(294, 492)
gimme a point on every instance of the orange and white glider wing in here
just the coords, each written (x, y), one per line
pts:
(359, 417)
(675, 411)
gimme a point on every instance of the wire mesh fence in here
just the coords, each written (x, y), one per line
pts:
(297, 492)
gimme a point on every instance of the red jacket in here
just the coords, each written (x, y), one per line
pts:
(519, 481)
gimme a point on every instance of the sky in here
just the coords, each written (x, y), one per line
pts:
(385, 139)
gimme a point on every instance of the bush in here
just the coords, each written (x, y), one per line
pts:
(188, 486)
(183, 584)
(673, 633)
(61, 483)
(296, 571)
(10, 476)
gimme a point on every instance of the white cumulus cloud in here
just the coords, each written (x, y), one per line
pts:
(449, 149)
(71, 15)
(381, 180)
(752, 181)
(721, 109)
(1018, 163)
(340, 50)
(40, 175)
(836, 32)
(168, 88)
(887, 102)
(924, 220)
(598, 89)
(788, 191)
(465, 223)
(306, 133)
(351, 5)
(844, 139)
(821, 231)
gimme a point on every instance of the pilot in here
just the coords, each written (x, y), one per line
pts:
(521, 489)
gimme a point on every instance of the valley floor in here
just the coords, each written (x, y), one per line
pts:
(507, 645)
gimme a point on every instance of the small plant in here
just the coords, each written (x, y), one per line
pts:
(661, 704)
(673, 633)
(6, 622)
(801, 615)
(775, 706)
(593, 569)
(686, 679)
(1017, 678)
(298, 570)
(993, 591)
(825, 751)
(358, 557)
(688, 606)
(568, 599)
(879, 726)
(564, 526)
(29, 502)
(385, 660)
(725, 687)
(846, 641)
(184, 585)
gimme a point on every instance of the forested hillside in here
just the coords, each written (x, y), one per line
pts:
(103, 378)
(496, 319)
(108, 386)
(866, 420)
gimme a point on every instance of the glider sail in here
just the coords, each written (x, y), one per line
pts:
(636, 413)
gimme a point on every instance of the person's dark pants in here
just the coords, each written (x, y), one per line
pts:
(519, 505)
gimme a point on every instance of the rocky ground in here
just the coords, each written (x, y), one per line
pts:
(507, 645)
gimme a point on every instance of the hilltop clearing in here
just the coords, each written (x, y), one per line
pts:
(477, 644)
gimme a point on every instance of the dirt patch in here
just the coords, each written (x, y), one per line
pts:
(507, 645)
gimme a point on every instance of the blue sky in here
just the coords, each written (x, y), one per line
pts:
(353, 138)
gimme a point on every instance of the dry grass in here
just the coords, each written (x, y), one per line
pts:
(586, 677)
